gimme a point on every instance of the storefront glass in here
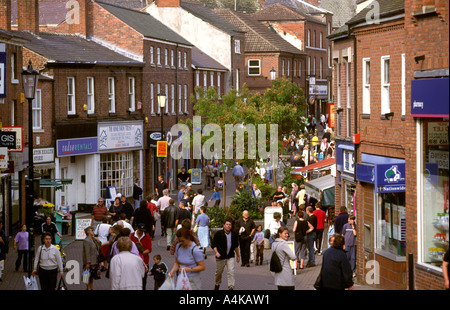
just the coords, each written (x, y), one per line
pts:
(435, 190)
(116, 169)
(391, 217)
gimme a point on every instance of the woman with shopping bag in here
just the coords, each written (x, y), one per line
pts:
(48, 263)
(189, 260)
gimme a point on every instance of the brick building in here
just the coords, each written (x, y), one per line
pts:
(427, 178)
(305, 26)
(265, 50)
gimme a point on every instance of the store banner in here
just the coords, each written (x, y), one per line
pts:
(73, 147)
(114, 136)
(430, 97)
(331, 115)
(365, 173)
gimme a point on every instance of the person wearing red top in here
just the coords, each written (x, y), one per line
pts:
(321, 217)
(151, 206)
(139, 236)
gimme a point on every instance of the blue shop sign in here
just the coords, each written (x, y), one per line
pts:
(430, 97)
(79, 146)
(386, 173)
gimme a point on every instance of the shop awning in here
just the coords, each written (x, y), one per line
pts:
(56, 183)
(322, 189)
(321, 165)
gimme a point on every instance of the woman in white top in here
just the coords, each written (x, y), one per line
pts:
(102, 231)
(284, 279)
(47, 263)
(274, 226)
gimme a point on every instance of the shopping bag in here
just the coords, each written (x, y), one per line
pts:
(168, 284)
(31, 283)
(62, 285)
(86, 276)
(183, 283)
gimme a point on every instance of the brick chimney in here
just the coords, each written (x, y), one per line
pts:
(5, 15)
(168, 3)
(77, 16)
(28, 15)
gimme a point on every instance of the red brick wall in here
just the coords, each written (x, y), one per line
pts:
(5, 15)
(28, 15)
(167, 3)
(425, 35)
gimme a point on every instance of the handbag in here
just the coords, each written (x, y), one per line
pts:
(275, 263)
(195, 230)
(156, 215)
(62, 285)
(183, 283)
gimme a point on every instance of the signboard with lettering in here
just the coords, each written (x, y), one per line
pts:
(43, 155)
(19, 137)
(331, 115)
(126, 135)
(3, 158)
(81, 222)
(437, 133)
(79, 146)
(161, 148)
(8, 139)
(430, 97)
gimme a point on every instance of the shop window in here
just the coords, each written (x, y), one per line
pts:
(116, 169)
(434, 179)
(391, 221)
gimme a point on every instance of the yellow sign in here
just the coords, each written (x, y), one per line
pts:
(161, 148)
(22, 97)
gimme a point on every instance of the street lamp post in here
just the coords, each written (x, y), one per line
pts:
(162, 105)
(30, 79)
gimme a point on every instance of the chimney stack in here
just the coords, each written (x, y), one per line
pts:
(5, 15)
(168, 3)
(28, 15)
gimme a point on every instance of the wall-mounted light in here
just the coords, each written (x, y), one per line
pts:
(273, 74)
(419, 58)
(388, 115)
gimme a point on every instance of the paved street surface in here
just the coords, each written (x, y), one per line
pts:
(247, 278)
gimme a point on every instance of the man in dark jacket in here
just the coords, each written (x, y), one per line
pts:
(336, 269)
(226, 245)
(341, 220)
(170, 216)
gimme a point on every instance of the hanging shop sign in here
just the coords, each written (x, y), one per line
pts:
(430, 97)
(8, 139)
(78, 146)
(161, 148)
(19, 137)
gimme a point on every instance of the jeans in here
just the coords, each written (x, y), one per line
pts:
(310, 238)
(351, 255)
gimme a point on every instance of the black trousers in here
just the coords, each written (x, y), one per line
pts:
(24, 254)
(319, 238)
(244, 244)
(47, 279)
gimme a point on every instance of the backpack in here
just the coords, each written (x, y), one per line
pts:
(275, 263)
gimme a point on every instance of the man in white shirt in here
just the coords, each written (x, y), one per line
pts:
(199, 201)
(162, 204)
(256, 192)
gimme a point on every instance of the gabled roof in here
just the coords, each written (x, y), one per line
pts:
(73, 49)
(144, 23)
(343, 10)
(202, 61)
(387, 8)
(210, 16)
(258, 37)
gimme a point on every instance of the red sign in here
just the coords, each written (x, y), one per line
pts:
(161, 148)
(331, 116)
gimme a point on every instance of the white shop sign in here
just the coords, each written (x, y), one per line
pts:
(44, 155)
(120, 136)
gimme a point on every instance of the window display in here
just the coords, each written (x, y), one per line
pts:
(116, 169)
(391, 232)
(435, 191)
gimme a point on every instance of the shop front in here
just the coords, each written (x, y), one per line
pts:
(429, 107)
(382, 191)
(345, 169)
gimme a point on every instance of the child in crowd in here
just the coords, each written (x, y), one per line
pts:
(158, 271)
(220, 183)
(258, 238)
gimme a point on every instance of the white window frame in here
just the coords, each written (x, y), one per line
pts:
(179, 99)
(158, 56)
(185, 60)
(254, 67)
(172, 91)
(348, 81)
(282, 67)
(308, 38)
(338, 84)
(385, 86)
(288, 70)
(152, 56)
(366, 85)
(321, 68)
(152, 98)
(71, 110)
(37, 110)
(299, 68)
(166, 57)
(197, 82)
(158, 90)
(166, 88)
(172, 58)
(111, 95)
(90, 94)
(294, 69)
(132, 93)
(205, 81)
(237, 80)
(237, 46)
(14, 67)
(218, 84)
(308, 65)
(185, 99)
(179, 60)
(321, 40)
